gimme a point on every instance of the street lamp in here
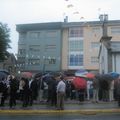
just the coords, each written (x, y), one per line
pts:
(44, 59)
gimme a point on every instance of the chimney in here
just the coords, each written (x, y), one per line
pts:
(66, 19)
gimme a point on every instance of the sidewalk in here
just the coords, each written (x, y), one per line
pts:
(86, 107)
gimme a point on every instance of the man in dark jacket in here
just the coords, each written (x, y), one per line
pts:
(104, 84)
(33, 87)
(25, 92)
(5, 85)
(14, 85)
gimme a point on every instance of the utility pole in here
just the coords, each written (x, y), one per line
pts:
(106, 64)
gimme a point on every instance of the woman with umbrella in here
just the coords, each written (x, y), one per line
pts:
(80, 85)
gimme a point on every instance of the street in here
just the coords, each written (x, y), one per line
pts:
(61, 117)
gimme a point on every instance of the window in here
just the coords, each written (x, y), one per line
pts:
(96, 29)
(34, 61)
(94, 59)
(50, 47)
(22, 52)
(34, 48)
(34, 35)
(22, 36)
(76, 60)
(115, 30)
(76, 45)
(52, 61)
(76, 32)
(51, 33)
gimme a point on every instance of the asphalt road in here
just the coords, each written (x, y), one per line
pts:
(61, 117)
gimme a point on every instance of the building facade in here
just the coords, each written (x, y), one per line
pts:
(39, 47)
(60, 46)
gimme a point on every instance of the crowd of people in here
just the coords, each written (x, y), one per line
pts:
(38, 88)
(54, 90)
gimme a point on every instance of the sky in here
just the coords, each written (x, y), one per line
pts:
(15, 12)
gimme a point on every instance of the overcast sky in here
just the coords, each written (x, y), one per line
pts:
(15, 12)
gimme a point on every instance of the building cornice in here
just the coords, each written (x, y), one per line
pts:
(60, 25)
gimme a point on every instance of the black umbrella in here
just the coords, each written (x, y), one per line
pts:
(2, 75)
(107, 77)
(37, 75)
(4, 71)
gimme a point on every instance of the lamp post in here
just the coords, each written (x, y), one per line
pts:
(44, 59)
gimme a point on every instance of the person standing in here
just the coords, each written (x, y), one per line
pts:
(13, 91)
(111, 91)
(25, 92)
(61, 88)
(95, 90)
(52, 86)
(40, 88)
(5, 82)
(89, 86)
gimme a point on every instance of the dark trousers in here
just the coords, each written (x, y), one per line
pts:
(31, 98)
(119, 100)
(25, 98)
(54, 98)
(81, 94)
(4, 97)
(12, 101)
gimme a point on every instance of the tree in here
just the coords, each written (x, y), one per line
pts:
(4, 41)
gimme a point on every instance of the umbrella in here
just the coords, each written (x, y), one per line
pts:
(81, 73)
(26, 74)
(114, 74)
(79, 83)
(106, 77)
(3, 75)
(4, 71)
(38, 75)
(90, 75)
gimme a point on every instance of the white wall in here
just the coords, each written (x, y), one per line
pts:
(116, 62)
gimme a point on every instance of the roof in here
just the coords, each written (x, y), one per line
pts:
(60, 25)
(38, 26)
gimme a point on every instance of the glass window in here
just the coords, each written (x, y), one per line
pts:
(22, 36)
(115, 30)
(76, 45)
(50, 47)
(52, 61)
(96, 29)
(51, 33)
(22, 52)
(34, 61)
(76, 32)
(34, 35)
(34, 48)
(76, 60)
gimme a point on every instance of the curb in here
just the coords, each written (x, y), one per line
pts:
(85, 112)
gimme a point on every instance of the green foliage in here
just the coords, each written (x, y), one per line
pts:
(4, 41)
